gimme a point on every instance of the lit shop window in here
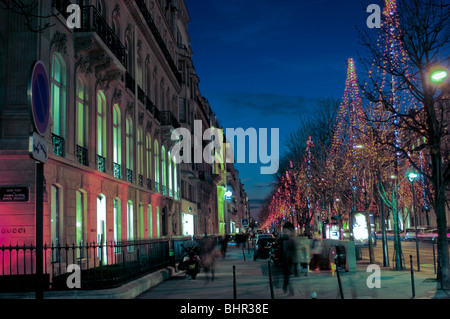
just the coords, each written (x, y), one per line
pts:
(130, 221)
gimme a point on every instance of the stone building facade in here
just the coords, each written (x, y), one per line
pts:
(119, 87)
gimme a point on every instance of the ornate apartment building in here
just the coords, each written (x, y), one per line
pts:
(119, 85)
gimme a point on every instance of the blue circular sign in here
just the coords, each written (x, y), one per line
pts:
(39, 98)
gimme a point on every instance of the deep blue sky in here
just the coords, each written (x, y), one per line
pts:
(263, 63)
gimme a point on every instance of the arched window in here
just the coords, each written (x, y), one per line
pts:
(130, 220)
(82, 114)
(116, 23)
(139, 71)
(81, 216)
(101, 124)
(158, 230)
(117, 141)
(58, 93)
(130, 54)
(101, 8)
(148, 152)
(129, 143)
(148, 81)
(163, 169)
(56, 215)
(156, 163)
(141, 221)
(169, 169)
(150, 220)
(175, 178)
(117, 220)
(162, 106)
(101, 228)
(140, 152)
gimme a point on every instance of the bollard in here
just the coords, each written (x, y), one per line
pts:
(434, 256)
(270, 281)
(243, 252)
(234, 282)
(412, 277)
(339, 282)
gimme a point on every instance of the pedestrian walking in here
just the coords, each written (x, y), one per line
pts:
(289, 250)
(223, 246)
(208, 256)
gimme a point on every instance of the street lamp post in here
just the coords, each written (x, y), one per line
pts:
(412, 176)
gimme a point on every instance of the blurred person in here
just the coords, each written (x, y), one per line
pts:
(223, 246)
(208, 256)
(289, 250)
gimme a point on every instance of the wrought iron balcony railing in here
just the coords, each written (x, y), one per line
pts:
(129, 175)
(149, 184)
(82, 155)
(58, 143)
(159, 39)
(168, 119)
(117, 170)
(101, 164)
(130, 83)
(92, 21)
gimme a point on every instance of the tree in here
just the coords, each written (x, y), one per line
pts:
(413, 39)
(29, 11)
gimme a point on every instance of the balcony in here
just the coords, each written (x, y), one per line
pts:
(58, 145)
(149, 106)
(98, 48)
(117, 170)
(168, 119)
(129, 175)
(205, 177)
(152, 26)
(101, 164)
(82, 155)
(130, 83)
(168, 123)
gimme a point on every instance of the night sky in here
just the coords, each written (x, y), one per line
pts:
(264, 63)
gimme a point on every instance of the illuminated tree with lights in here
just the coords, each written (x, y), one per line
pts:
(401, 58)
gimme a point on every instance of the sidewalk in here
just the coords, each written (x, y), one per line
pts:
(325, 285)
(127, 291)
(252, 282)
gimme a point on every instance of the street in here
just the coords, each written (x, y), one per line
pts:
(408, 248)
(252, 280)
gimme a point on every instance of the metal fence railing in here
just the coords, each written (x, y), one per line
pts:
(101, 265)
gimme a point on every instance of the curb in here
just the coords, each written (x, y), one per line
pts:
(127, 291)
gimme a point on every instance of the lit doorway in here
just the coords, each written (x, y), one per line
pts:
(188, 224)
(101, 228)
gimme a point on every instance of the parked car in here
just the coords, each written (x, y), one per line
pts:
(431, 234)
(262, 247)
(410, 233)
(266, 235)
(428, 235)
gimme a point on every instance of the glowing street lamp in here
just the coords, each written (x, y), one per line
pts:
(438, 75)
(412, 175)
